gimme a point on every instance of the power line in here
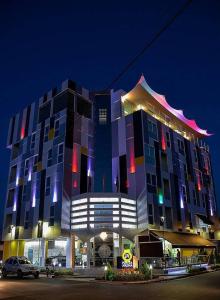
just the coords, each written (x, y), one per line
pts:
(150, 43)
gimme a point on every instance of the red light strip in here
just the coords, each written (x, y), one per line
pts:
(75, 159)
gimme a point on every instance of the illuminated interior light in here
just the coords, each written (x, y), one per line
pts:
(79, 201)
(79, 207)
(79, 226)
(104, 200)
(75, 159)
(115, 225)
(128, 213)
(80, 220)
(78, 214)
(128, 207)
(128, 226)
(125, 219)
(129, 201)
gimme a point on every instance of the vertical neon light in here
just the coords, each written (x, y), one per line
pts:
(75, 159)
(34, 196)
(198, 182)
(75, 184)
(55, 190)
(132, 160)
(89, 167)
(163, 142)
(15, 201)
(181, 200)
(160, 197)
(23, 124)
(55, 194)
(17, 176)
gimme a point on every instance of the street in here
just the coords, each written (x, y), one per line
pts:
(197, 287)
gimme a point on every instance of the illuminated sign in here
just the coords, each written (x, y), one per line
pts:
(127, 259)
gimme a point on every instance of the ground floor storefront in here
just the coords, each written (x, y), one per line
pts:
(162, 249)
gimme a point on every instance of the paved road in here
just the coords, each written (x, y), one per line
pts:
(206, 286)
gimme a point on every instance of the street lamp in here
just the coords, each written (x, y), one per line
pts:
(162, 219)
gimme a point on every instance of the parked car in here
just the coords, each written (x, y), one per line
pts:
(20, 266)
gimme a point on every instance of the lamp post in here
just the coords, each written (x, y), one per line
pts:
(162, 219)
(11, 228)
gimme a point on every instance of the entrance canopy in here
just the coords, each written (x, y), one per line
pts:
(183, 240)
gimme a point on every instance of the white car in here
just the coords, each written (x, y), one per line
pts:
(20, 266)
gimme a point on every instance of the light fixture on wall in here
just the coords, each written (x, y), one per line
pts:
(103, 236)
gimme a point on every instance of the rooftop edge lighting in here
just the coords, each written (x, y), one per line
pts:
(162, 101)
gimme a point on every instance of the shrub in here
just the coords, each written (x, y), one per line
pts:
(145, 270)
(110, 274)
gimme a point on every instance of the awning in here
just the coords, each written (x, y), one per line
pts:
(183, 240)
(205, 219)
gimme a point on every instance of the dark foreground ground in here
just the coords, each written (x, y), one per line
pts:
(206, 286)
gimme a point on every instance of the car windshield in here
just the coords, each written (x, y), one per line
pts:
(24, 262)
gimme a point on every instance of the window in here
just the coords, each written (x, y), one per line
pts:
(26, 167)
(33, 138)
(60, 153)
(151, 183)
(49, 158)
(150, 214)
(57, 128)
(166, 188)
(194, 197)
(26, 222)
(203, 200)
(13, 173)
(164, 165)
(150, 154)
(10, 200)
(35, 163)
(168, 139)
(195, 155)
(47, 189)
(52, 214)
(102, 115)
(24, 193)
(151, 179)
(184, 194)
(152, 127)
(46, 132)
(181, 147)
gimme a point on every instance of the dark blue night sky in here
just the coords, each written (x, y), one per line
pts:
(44, 42)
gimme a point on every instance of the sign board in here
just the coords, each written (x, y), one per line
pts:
(127, 259)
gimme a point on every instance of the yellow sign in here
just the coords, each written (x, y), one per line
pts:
(127, 258)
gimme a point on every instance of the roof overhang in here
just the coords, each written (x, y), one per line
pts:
(183, 240)
(144, 97)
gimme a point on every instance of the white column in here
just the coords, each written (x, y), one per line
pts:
(69, 253)
(42, 252)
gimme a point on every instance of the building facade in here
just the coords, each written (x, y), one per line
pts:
(93, 173)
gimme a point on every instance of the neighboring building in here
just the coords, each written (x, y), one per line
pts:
(94, 173)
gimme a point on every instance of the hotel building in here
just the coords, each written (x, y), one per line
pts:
(93, 173)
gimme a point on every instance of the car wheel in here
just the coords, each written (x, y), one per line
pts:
(36, 275)
(19, 274)
(4, 273)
